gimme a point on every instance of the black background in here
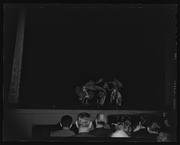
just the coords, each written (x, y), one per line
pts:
(66, 46)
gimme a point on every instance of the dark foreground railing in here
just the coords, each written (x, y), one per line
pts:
(79, 139)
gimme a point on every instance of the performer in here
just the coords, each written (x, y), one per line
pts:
(86, 93)
(104, 95)
(101, 98)
(84, 96)
(116, 97)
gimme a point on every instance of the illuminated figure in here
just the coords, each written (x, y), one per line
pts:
(116, 97)
(101, 98)
(88, 97)
(85, 92)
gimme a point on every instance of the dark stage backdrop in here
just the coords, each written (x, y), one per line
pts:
(67, 46)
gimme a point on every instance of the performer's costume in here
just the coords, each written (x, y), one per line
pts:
(84, 96)
(86, 93)
(116, 98)
(101, 98)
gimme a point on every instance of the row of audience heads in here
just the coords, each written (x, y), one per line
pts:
(83, 120)
(115, 122)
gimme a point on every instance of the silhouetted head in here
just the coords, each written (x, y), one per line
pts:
(154, 124)
(143, 119)
(66, 121)
(100, 119)
(163, 137)
(83, 121)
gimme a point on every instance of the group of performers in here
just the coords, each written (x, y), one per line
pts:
(96, 93)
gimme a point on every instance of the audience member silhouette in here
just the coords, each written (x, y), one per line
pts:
(100, 129)
(153, 128)
(66, 123)
(163, 137)
(127, 125)
(84, 124)
(147, 128)
(120, 129)
(142, 131)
